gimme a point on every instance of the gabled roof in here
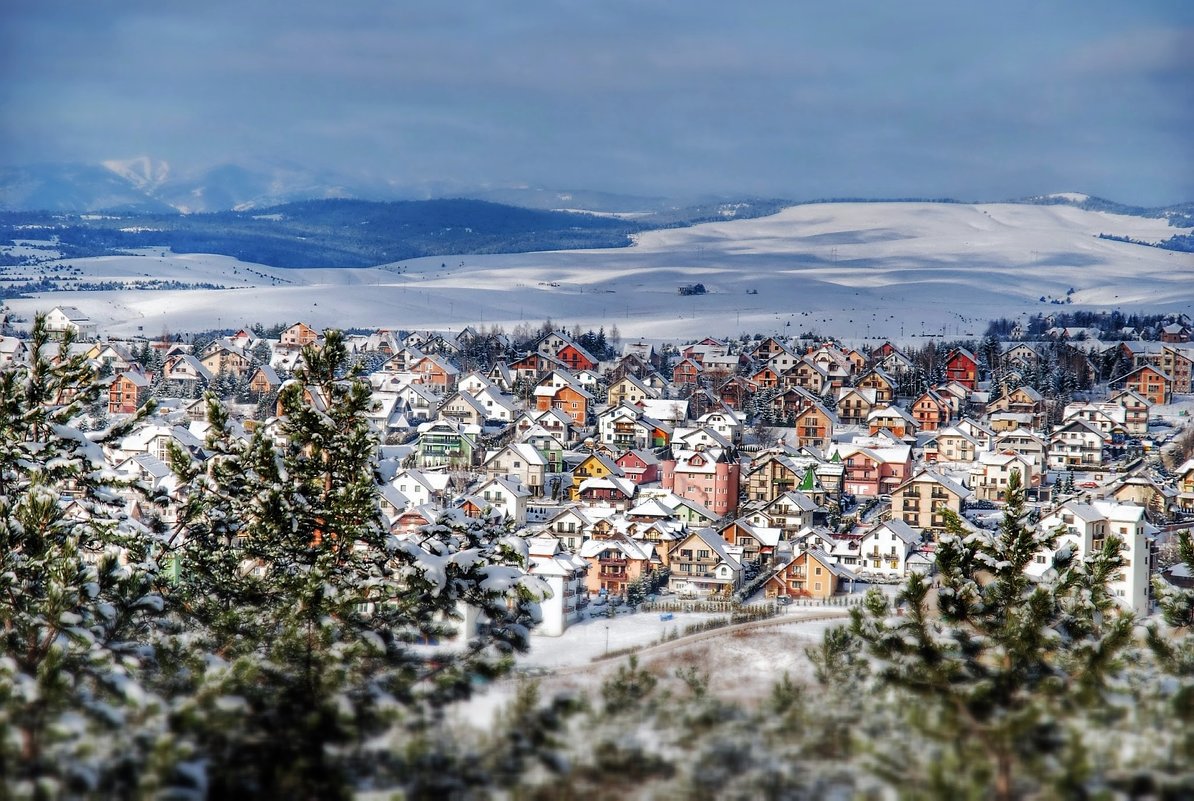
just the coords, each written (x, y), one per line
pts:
(931, 476)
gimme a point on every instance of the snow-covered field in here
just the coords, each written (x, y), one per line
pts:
(849, 269)
(743, 664)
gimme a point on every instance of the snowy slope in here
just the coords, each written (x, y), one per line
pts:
(851, 269)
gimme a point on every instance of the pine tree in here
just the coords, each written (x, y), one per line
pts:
(995, 673)
(289, 575)
(1171, 731)
(77, 607)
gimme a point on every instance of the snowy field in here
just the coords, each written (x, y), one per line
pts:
(743, 664)
(850, 269)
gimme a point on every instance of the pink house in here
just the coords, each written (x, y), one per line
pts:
(709, 477)
(874, 471)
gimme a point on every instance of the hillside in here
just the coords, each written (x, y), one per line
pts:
(850, 269)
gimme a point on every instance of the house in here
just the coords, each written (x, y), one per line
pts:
(962, 366)
(809, 574)
(735, 391)
(1077, 444)
(68, 318)
(615, 562)
(498, 405)
(610, 491)
(463, 408)
(931, 411)
(224, 357)
(854, 405)
(881, 382)
(1023, 400)
(900, 423)
(639, 466)
(1083, 529)
(885, 548)
(994, 470)
(772, 474)
(955, 445)
(1177, 362)
(594, 465)
(518, 461)
(891, 360)
(701, 564)
(127, 392)
(809, 376)
(686, 371)
(12, 351)
(1136, 411)
(1185, 485)
(1157, 499)
(871, 471)
(1175, 332)
(264, 380)
(626, 426)
(434, 372)
(447, 443)
(725, 422)
(790, 512)
(297, 336)
(1032, 446)
(814, 426)
(752, 544)
(187, 370)
(708, 476)
(564, 574)
(920, 500)
(1149, 383)
(630, 390)
(507, 497)
(565, 396)
(571, 525)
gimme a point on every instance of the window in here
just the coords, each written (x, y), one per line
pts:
(818, 572)
(702, 554)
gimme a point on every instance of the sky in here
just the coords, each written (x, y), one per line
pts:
(775, 98)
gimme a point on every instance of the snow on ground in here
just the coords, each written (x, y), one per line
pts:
(743, 664)
(849, 269)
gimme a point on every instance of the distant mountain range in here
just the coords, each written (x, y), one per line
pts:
(287, 216)
(146, 185)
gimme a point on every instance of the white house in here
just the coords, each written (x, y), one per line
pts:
(885, 549)
(564, 574)
(509, 497)
(1076, 444)
(1086, 526)
(67, 318)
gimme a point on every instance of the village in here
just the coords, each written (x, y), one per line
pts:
(767, 469)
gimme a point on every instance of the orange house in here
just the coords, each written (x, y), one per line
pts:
(1151, 384)
(810, 574)
(573, 402)
(931, 411)
(433, 372)
(127, 392)
(814, 426)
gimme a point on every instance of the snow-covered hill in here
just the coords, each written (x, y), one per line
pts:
(850, 269)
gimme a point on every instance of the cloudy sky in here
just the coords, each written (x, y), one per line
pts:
(865, 98)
